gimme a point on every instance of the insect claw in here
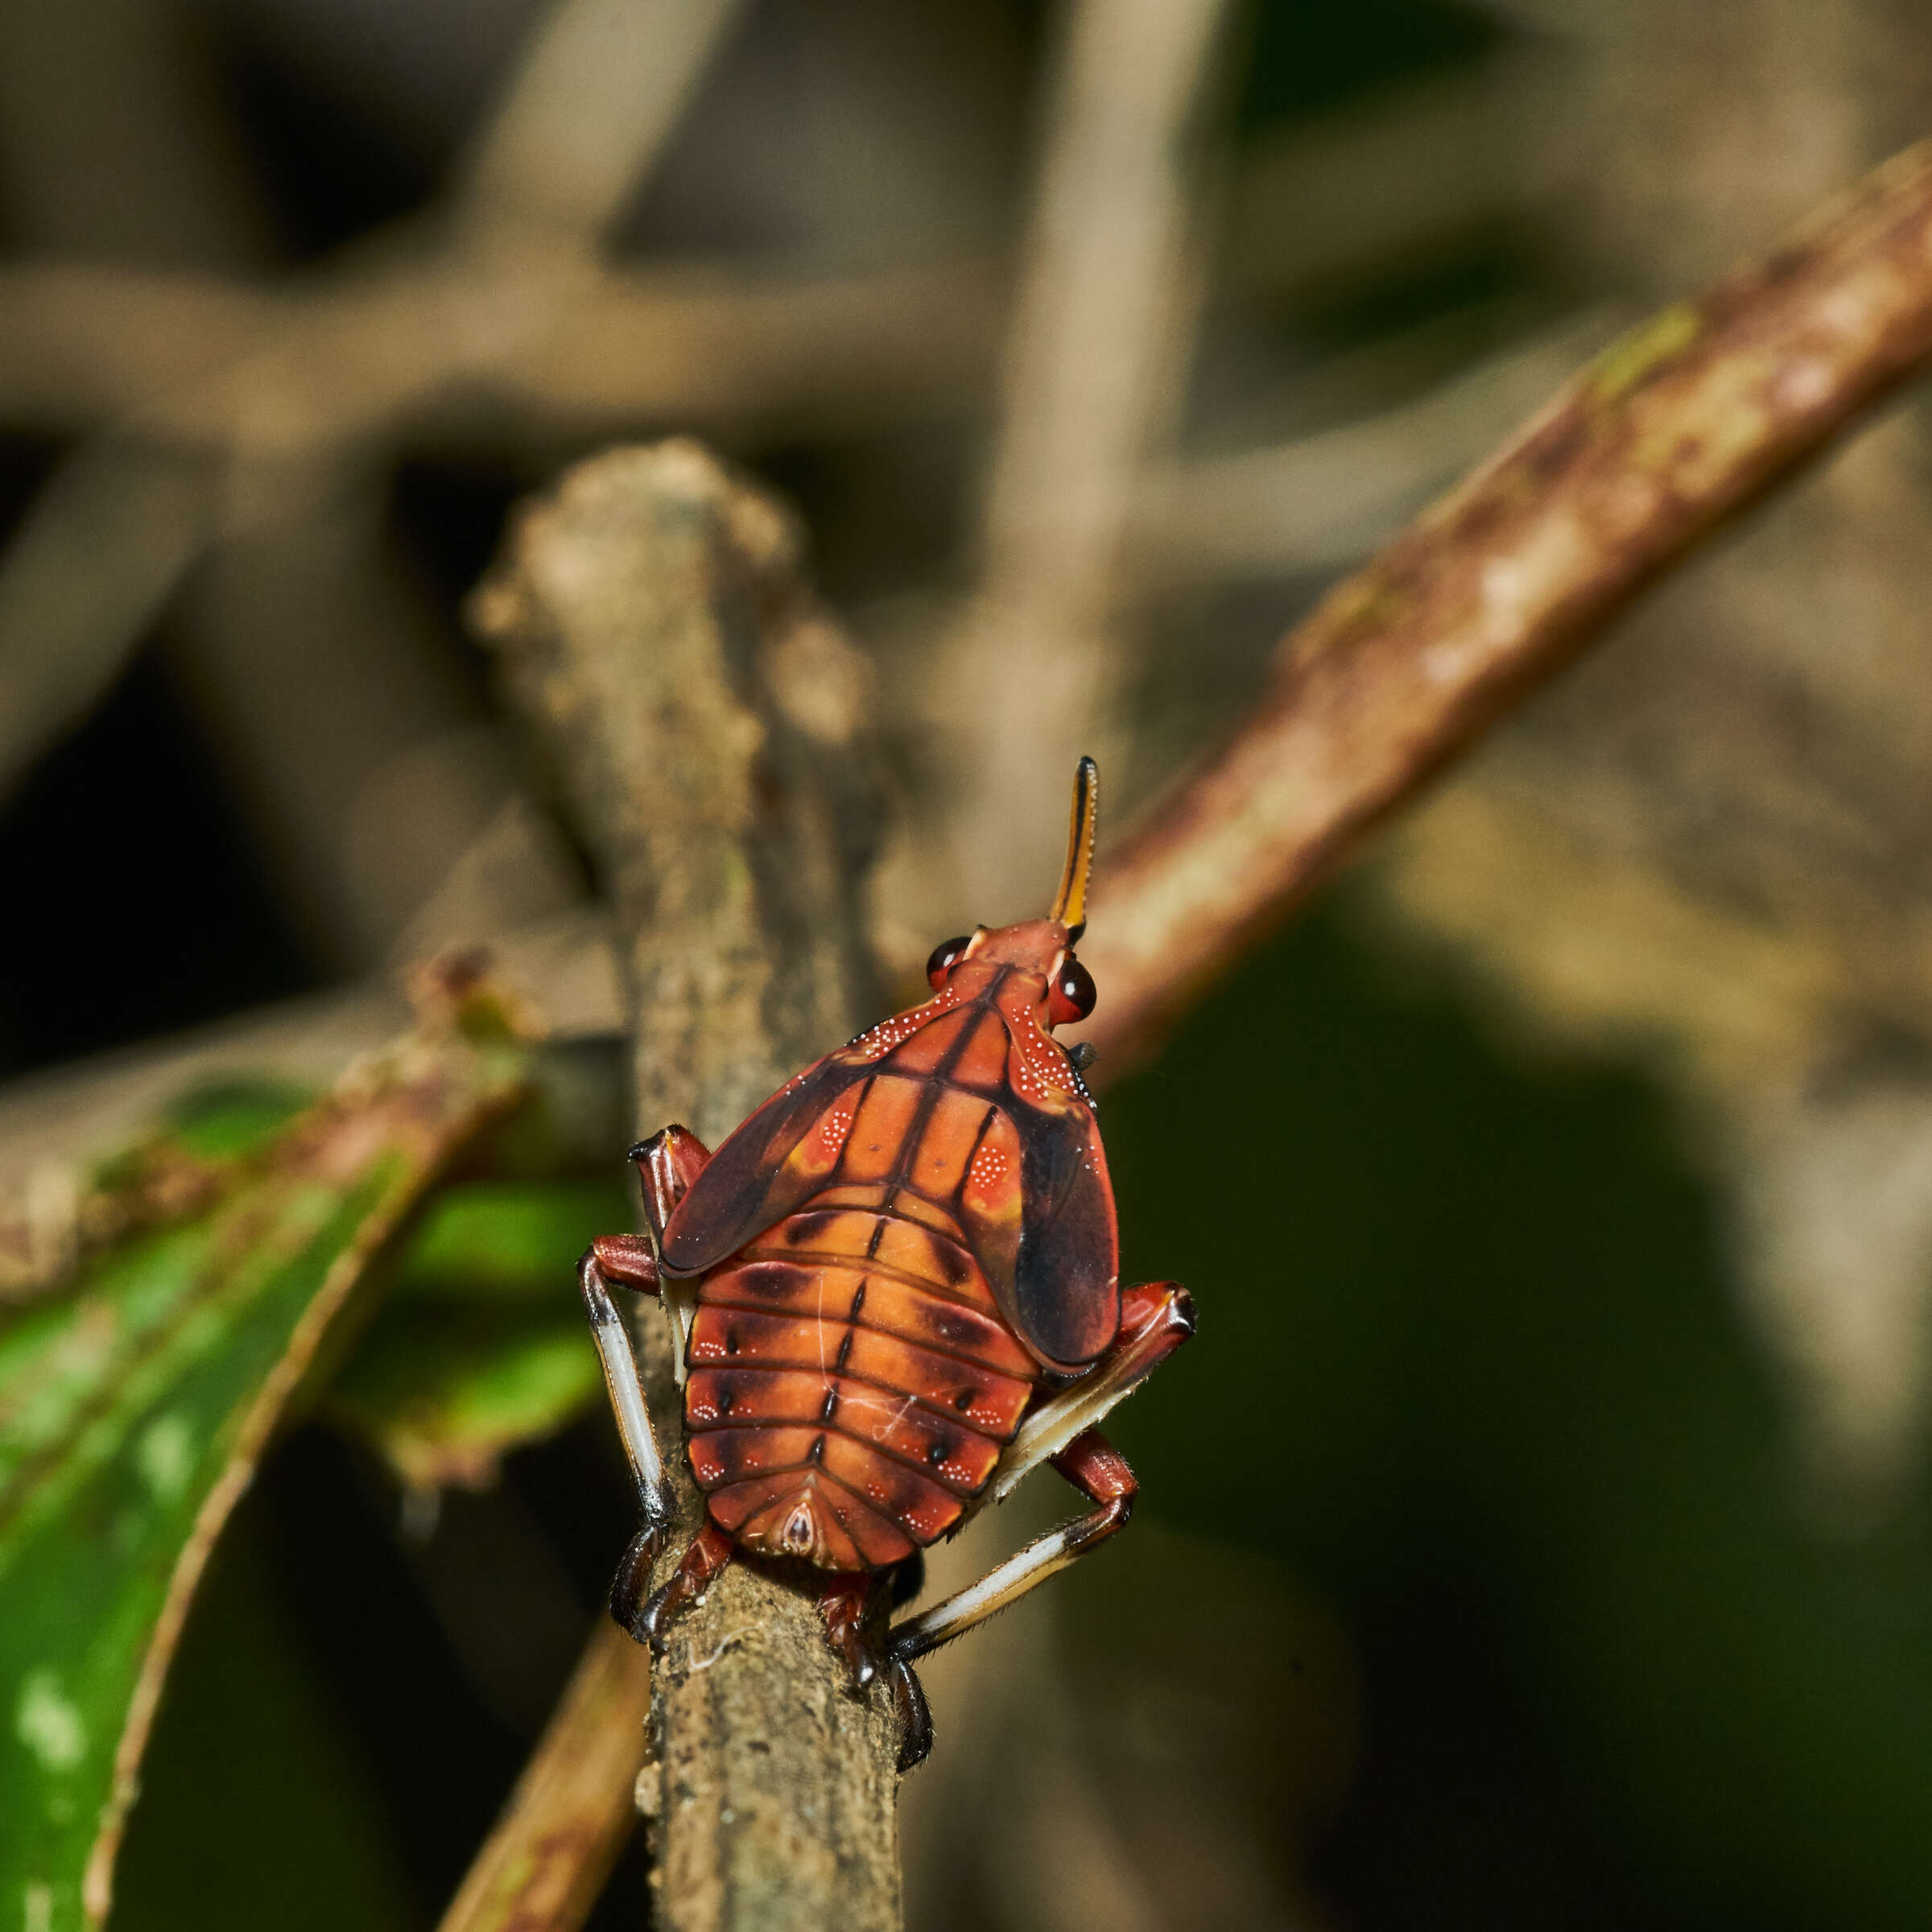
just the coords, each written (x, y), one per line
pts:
(709, 1552)
(915, 1717)
(632, 1579)
(653, 1626)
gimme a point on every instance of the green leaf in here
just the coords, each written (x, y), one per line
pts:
(249, 1730)
(483, 1347)
(133, 1412)
(228, 1120)
(443, 1394)
(520, 1239)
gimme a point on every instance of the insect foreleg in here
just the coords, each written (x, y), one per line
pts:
(1100, 1472)
(667, 1163)
(708, 1554)
(626, 1258)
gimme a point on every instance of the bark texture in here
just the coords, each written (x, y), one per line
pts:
(703, 721)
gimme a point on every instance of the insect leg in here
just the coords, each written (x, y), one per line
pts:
(843, 1603)
(1155, 1319)
(626, 1258)
(847, 1605)
(709, 1551)
(667, 1164)
(1100, 1472)
(915, 1714)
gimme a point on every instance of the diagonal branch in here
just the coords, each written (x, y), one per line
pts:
(104, 546)
(542, 1869)
(1681, 424)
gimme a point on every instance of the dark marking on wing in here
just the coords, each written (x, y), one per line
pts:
(1066, 1292)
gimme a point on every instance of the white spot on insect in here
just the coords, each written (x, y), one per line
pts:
(165, 1455)
(988, 1166)
(48, 1722)
(38, 1899)
(878, 1041)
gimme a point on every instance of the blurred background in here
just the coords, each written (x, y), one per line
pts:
(1537, 1534)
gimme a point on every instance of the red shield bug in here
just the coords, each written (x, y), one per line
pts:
(894, 1291)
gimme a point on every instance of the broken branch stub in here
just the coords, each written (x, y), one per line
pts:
(703, 721)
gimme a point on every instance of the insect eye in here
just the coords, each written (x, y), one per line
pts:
(1072, 995)
(945, 956)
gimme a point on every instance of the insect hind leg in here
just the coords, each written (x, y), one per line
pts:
(915, 1713)
(1100, 1473)
(1155, 1318)
(849, 1605)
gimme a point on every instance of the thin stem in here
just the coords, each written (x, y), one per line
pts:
(544, 1865)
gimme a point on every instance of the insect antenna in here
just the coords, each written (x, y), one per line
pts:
(1070, 902)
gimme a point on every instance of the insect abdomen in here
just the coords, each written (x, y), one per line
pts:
(851, 1384)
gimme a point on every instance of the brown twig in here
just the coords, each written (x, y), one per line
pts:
(86, 346)
(703, 719)
(1680, 425)
(542, 1869)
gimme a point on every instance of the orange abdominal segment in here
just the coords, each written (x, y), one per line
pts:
(851, 1383)
(783, 1322)
(880, 1243)
(956, 1457)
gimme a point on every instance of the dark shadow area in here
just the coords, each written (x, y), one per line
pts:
(1469, 1365)
(334, 1741)
(153, 910)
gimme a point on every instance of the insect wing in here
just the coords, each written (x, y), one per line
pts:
(784, 1152)
(1037, 1208)
(758, 1177)
(1064, 1302)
